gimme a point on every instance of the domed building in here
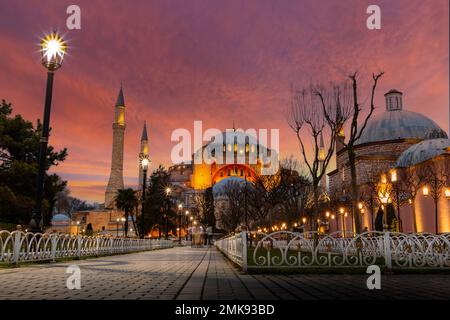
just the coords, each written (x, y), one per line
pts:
(393, 140)
(60, 223)
(233, 153)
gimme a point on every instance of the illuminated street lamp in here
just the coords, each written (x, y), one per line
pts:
(53, 49)
(118, 221)
(168, 191)
(394, 181)
(447, 193)
(180, 208)
(145, 161)
(394, 176)
(425, 191)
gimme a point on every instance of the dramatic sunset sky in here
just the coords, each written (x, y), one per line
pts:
(210, 60)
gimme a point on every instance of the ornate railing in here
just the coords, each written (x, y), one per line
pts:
(285, 249)
(235, 248)
(18, 246)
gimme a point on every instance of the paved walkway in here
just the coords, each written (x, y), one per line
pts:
(192, 273)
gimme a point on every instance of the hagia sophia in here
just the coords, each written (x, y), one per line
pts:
(394, 139)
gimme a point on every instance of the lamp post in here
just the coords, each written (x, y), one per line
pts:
(168, 192)
(187, 224)
(145, 161)
(53, 50)
(395, 182)
(119, 220)
(180, 208)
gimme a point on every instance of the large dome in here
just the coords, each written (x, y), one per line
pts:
(422, 151)
(400, 124)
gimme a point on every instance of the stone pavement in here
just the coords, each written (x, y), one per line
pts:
(194, 273)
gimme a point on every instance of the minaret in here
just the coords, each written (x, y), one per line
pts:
(116, 177)
(340, 138)
(143, 152)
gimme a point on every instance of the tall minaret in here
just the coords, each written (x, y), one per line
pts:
(143, 152)
(340, 138)
(116, 177)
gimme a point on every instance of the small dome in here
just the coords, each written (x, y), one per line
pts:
(60, 217)
(422, 151)
(399, 124)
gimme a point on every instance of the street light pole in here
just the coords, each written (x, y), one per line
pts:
(53, 49)
(144, 164)
(397, 197)
(168, 191)
(180, 207)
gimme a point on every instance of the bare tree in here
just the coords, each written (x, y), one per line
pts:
(411, 179)
(314, 113)
(356, 130)
(369, 192)
(295, 187)
(231, 217)
(263, 197)
(435, 174)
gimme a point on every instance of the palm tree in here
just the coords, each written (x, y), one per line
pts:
(126, 200)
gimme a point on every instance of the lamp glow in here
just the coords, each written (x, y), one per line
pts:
(425, 191)
(447, 193)
(53, 50)
(145, 162)
(394, 176)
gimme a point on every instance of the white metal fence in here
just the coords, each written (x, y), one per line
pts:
(18, 246)
(235, 248)
(285, 249)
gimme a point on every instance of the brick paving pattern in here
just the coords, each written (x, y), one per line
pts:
(202, 273)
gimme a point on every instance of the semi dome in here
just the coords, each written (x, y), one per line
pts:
(397, 123)
(422, 151)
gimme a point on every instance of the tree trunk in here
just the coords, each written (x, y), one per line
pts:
(316, 205)
(126, 224)
(354, 187)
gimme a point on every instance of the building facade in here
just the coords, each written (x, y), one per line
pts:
(387, 139)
